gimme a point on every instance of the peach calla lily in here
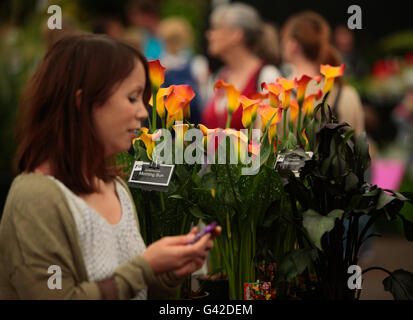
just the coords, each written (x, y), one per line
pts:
(249, 110)
(149, 140)
(156, 73)
(267, 112)
(232, 95)
(330, 73)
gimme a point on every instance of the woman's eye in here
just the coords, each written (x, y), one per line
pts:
(132, 100)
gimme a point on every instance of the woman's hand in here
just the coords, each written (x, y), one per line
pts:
(174, 253)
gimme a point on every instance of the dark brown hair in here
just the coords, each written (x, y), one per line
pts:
(311, 31)
(51, 127)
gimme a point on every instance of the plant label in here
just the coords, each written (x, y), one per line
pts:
(151, 176)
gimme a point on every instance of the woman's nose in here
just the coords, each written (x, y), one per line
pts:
(142, 112)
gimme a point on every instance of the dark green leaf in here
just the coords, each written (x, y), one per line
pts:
(295, 263)
(400, 284)
(317, 225)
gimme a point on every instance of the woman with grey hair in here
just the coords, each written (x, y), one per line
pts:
(248, 47)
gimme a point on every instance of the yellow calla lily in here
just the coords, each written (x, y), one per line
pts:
(294, 110)
(249, 110)
(180, 130)
(308, 104)
(232, 95)
(330, 73)
(160, 100)
(240, 140)
(149, 140)
(274, 91)
(267, 112)
(288, 86)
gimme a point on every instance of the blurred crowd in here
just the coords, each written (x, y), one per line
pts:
(250, 51)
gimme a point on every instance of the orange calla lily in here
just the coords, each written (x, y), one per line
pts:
(267, 112)
(302, 86)
(232, 94)
(330, 73)
(249, 110)
(156, 73)
(149, 140)
(160, 100)
(288, 86)
(258, 96)
(178, 103)
(305, 137)
(274, 90)
(308, 104)
(294, 110)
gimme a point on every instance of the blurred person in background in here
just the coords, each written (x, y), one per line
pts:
(238, 37)
(109, 25)
(145, 15)
(344, 41)
(305, 39)
(182, 67)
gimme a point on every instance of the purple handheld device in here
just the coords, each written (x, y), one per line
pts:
(207, 229)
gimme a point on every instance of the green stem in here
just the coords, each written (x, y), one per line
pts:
(285, 124)
(228, 120)
(162, 201)
(299, 125)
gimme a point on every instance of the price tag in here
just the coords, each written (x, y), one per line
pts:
(292, 161)
(151, 176)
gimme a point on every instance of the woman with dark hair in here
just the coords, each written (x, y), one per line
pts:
(68, 210)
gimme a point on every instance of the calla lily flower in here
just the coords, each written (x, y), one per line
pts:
(302, 86)
(274, 90)
(149, 140)
(294, 110)
(178, 103)
(305, 137)
(249, 110)
(267, 112)
(180, 130)
(308, 104)
(156, 73)
(160, 100)
(232, 94)
(330, 73)
(240, 140)
(288, 86)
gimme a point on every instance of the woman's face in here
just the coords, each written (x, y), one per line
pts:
(221, 39)
(287, 48)
(122, 113)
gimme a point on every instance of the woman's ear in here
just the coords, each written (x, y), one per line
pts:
(78, 97)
